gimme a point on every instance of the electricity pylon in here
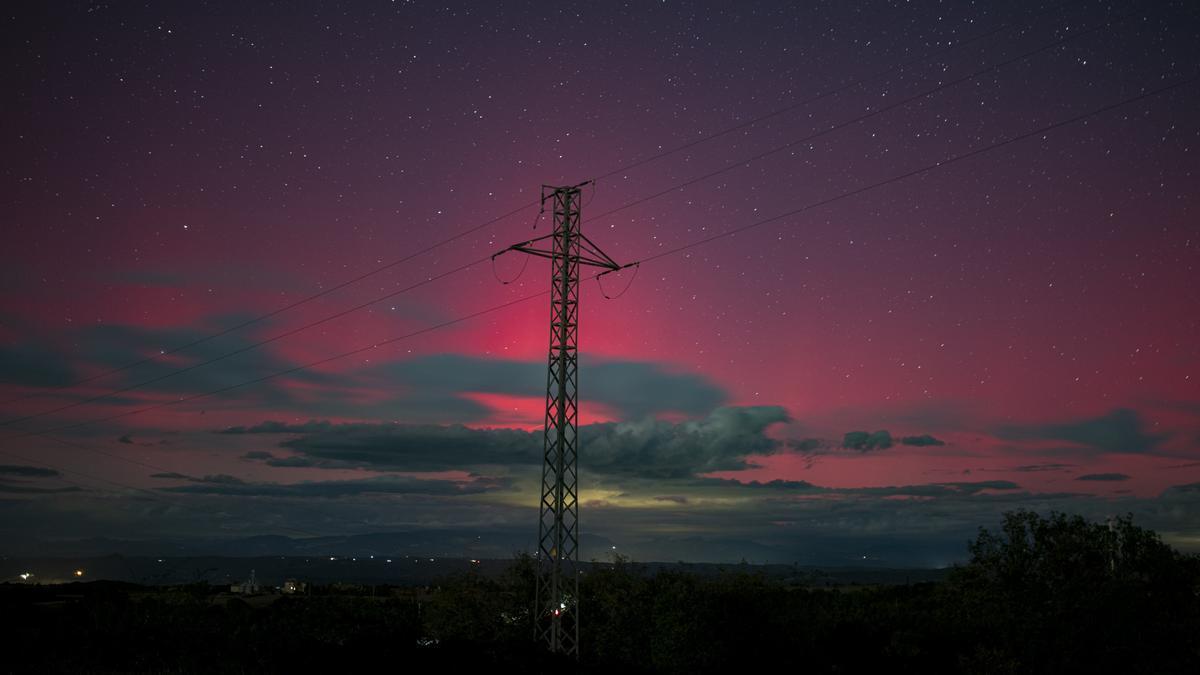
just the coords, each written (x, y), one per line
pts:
(557, 602)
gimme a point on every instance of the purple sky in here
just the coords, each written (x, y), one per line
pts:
(875, 377)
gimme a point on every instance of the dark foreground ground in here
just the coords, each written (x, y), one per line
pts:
(1043, 596)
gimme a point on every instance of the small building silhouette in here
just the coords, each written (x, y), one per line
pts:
(249, 587)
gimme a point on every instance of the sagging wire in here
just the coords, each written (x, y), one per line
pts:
(536, 219)
(524, 264)
(636, 266)
(593, 195)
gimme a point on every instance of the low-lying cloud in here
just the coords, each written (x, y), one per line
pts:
(924, 440)
(929, 490)
(647, 448)
(865, 442)
(380, 485)
(1121, 430)
(27, 471)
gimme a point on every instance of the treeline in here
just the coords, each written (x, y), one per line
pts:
(1041, 595)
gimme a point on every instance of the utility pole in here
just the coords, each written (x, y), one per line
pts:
(556, 609)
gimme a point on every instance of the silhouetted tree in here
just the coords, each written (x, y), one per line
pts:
(1061, 594)
(1054, 594)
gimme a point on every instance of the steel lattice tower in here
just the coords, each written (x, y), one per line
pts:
(557, 601)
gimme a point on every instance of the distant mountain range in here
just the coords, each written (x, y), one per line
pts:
(271, 571)
(501, 544)
(423, 542)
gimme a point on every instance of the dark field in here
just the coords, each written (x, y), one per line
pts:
(1042, 596)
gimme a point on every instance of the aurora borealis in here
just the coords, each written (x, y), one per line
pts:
(873, 377)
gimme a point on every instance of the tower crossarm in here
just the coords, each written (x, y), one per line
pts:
(589, 255)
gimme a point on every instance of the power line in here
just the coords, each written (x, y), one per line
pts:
(276, 312)
(656, 256)
(924, 169)
(255, 345)
(857, 191)
(857, 120)
(471, 230)
(288, 371)
(642, 200)
(833, 92)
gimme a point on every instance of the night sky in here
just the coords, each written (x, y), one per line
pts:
(865, 379)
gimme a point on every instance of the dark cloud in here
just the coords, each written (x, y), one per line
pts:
(406, 447)
(431, 389)
(218, 479)
(637, 389)
(633, 388)
(777, 484)
(1031, 468)
(805, 444)
(257, 454)
(863, 441)
(647, 448)
(927, 490)
(272, 427)
(396, 485)
(113, 346)
(657, 449)
(32, 490)
(27, 471)
(934, 490)
(125, 439)
(866, 442)
(978, 486)
(234, 359)
(1104, 477)
(922, 525)
(675, 499)
(31, 365)
(921, 441)
(1121, 430)
(924, 490)
(301, 462)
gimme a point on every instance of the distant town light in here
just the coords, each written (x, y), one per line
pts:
(25, 576)
(78, 573)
